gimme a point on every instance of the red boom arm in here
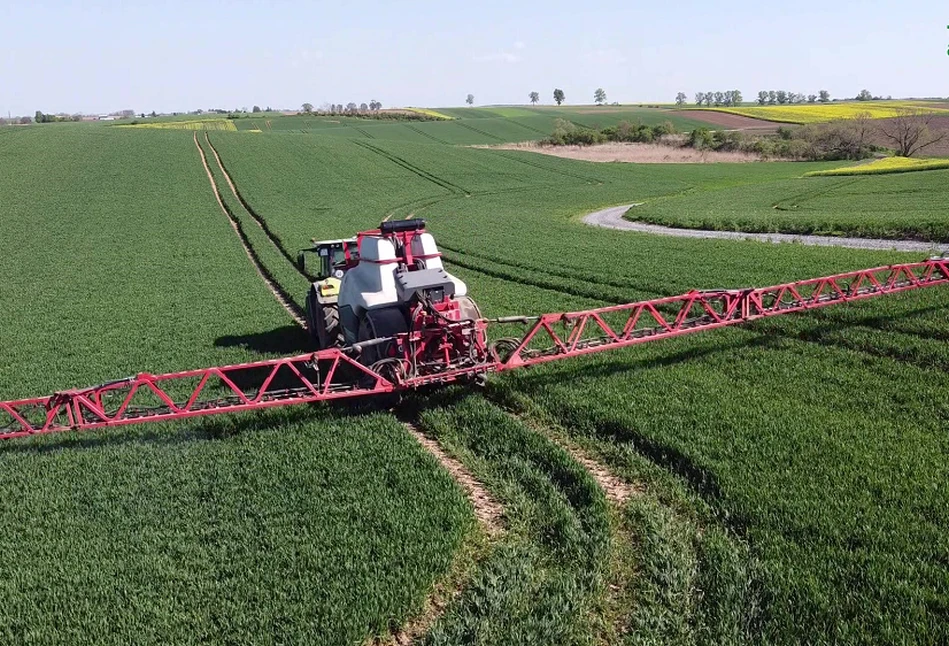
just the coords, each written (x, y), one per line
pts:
(335, 374)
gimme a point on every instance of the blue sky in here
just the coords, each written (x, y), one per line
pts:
(96, 56)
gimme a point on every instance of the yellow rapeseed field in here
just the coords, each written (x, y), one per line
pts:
(200, 124)
(822, 112)
(430, 113)
(885, 165)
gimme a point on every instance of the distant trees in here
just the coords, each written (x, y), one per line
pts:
(864, 96)
(375, 105)
(559, 96)
(256, 108)
(680, 98)
(351, 107)
(534, 97)
(308, 107)
(26, 120)
(599, 96)
(909, 131)
(727, 98)
(39, 117)
(782, 97)
(470, 99)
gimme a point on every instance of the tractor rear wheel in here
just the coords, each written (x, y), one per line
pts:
(322, 320)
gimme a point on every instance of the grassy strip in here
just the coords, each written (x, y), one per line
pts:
(884, 166)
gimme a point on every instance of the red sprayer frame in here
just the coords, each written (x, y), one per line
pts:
(337, 374)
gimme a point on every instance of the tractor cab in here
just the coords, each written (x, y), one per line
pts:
(333, 258)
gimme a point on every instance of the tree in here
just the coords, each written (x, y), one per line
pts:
(864, 95)
(559, 96)
(699, 98)
(781, 96)
(256, 108)
(736, 97)
(824, 96)
(772, 97)
(351, 107)
(762, 97)
(374, 105)
(308, 107)
(25, 120)
(709, 97)
(363, 107)
(599, 96)
(812, 98)
(470, 99)
(909, 131)
(534, 97)
(39, 117)
(680, 98)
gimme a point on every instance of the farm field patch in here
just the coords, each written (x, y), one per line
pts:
(511, 234)
(218, 530)
(197, 124)
(818, 113)
(905, 205)
(884, 166)
(793, 470)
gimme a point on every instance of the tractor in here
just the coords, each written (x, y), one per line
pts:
(383, 283)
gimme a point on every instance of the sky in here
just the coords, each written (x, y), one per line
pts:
(96, 56)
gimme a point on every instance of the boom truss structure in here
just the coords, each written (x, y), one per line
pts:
(337, 374)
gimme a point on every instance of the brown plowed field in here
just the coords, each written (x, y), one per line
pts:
(938, 126)
(730, 121)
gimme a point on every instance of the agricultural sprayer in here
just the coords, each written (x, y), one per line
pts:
(387, 317)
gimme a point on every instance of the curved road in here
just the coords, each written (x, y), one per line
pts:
(612, 218)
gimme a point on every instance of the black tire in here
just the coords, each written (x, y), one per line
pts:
(377, 324)
(322, 321)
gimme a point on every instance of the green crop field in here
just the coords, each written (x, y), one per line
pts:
(905, 205)
(203, 531)
(788, 479)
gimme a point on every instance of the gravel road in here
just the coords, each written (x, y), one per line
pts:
(612, 218)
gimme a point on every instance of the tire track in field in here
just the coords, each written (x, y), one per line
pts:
(483, 133)
(363, 132)
(534, 164)
(261, 222)
(425, 134)
(275, 288)
(527, 127)
(630, 283)
(424, 174)
(612, 218)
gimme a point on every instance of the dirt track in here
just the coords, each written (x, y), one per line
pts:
(634, 153)
(612, 218)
